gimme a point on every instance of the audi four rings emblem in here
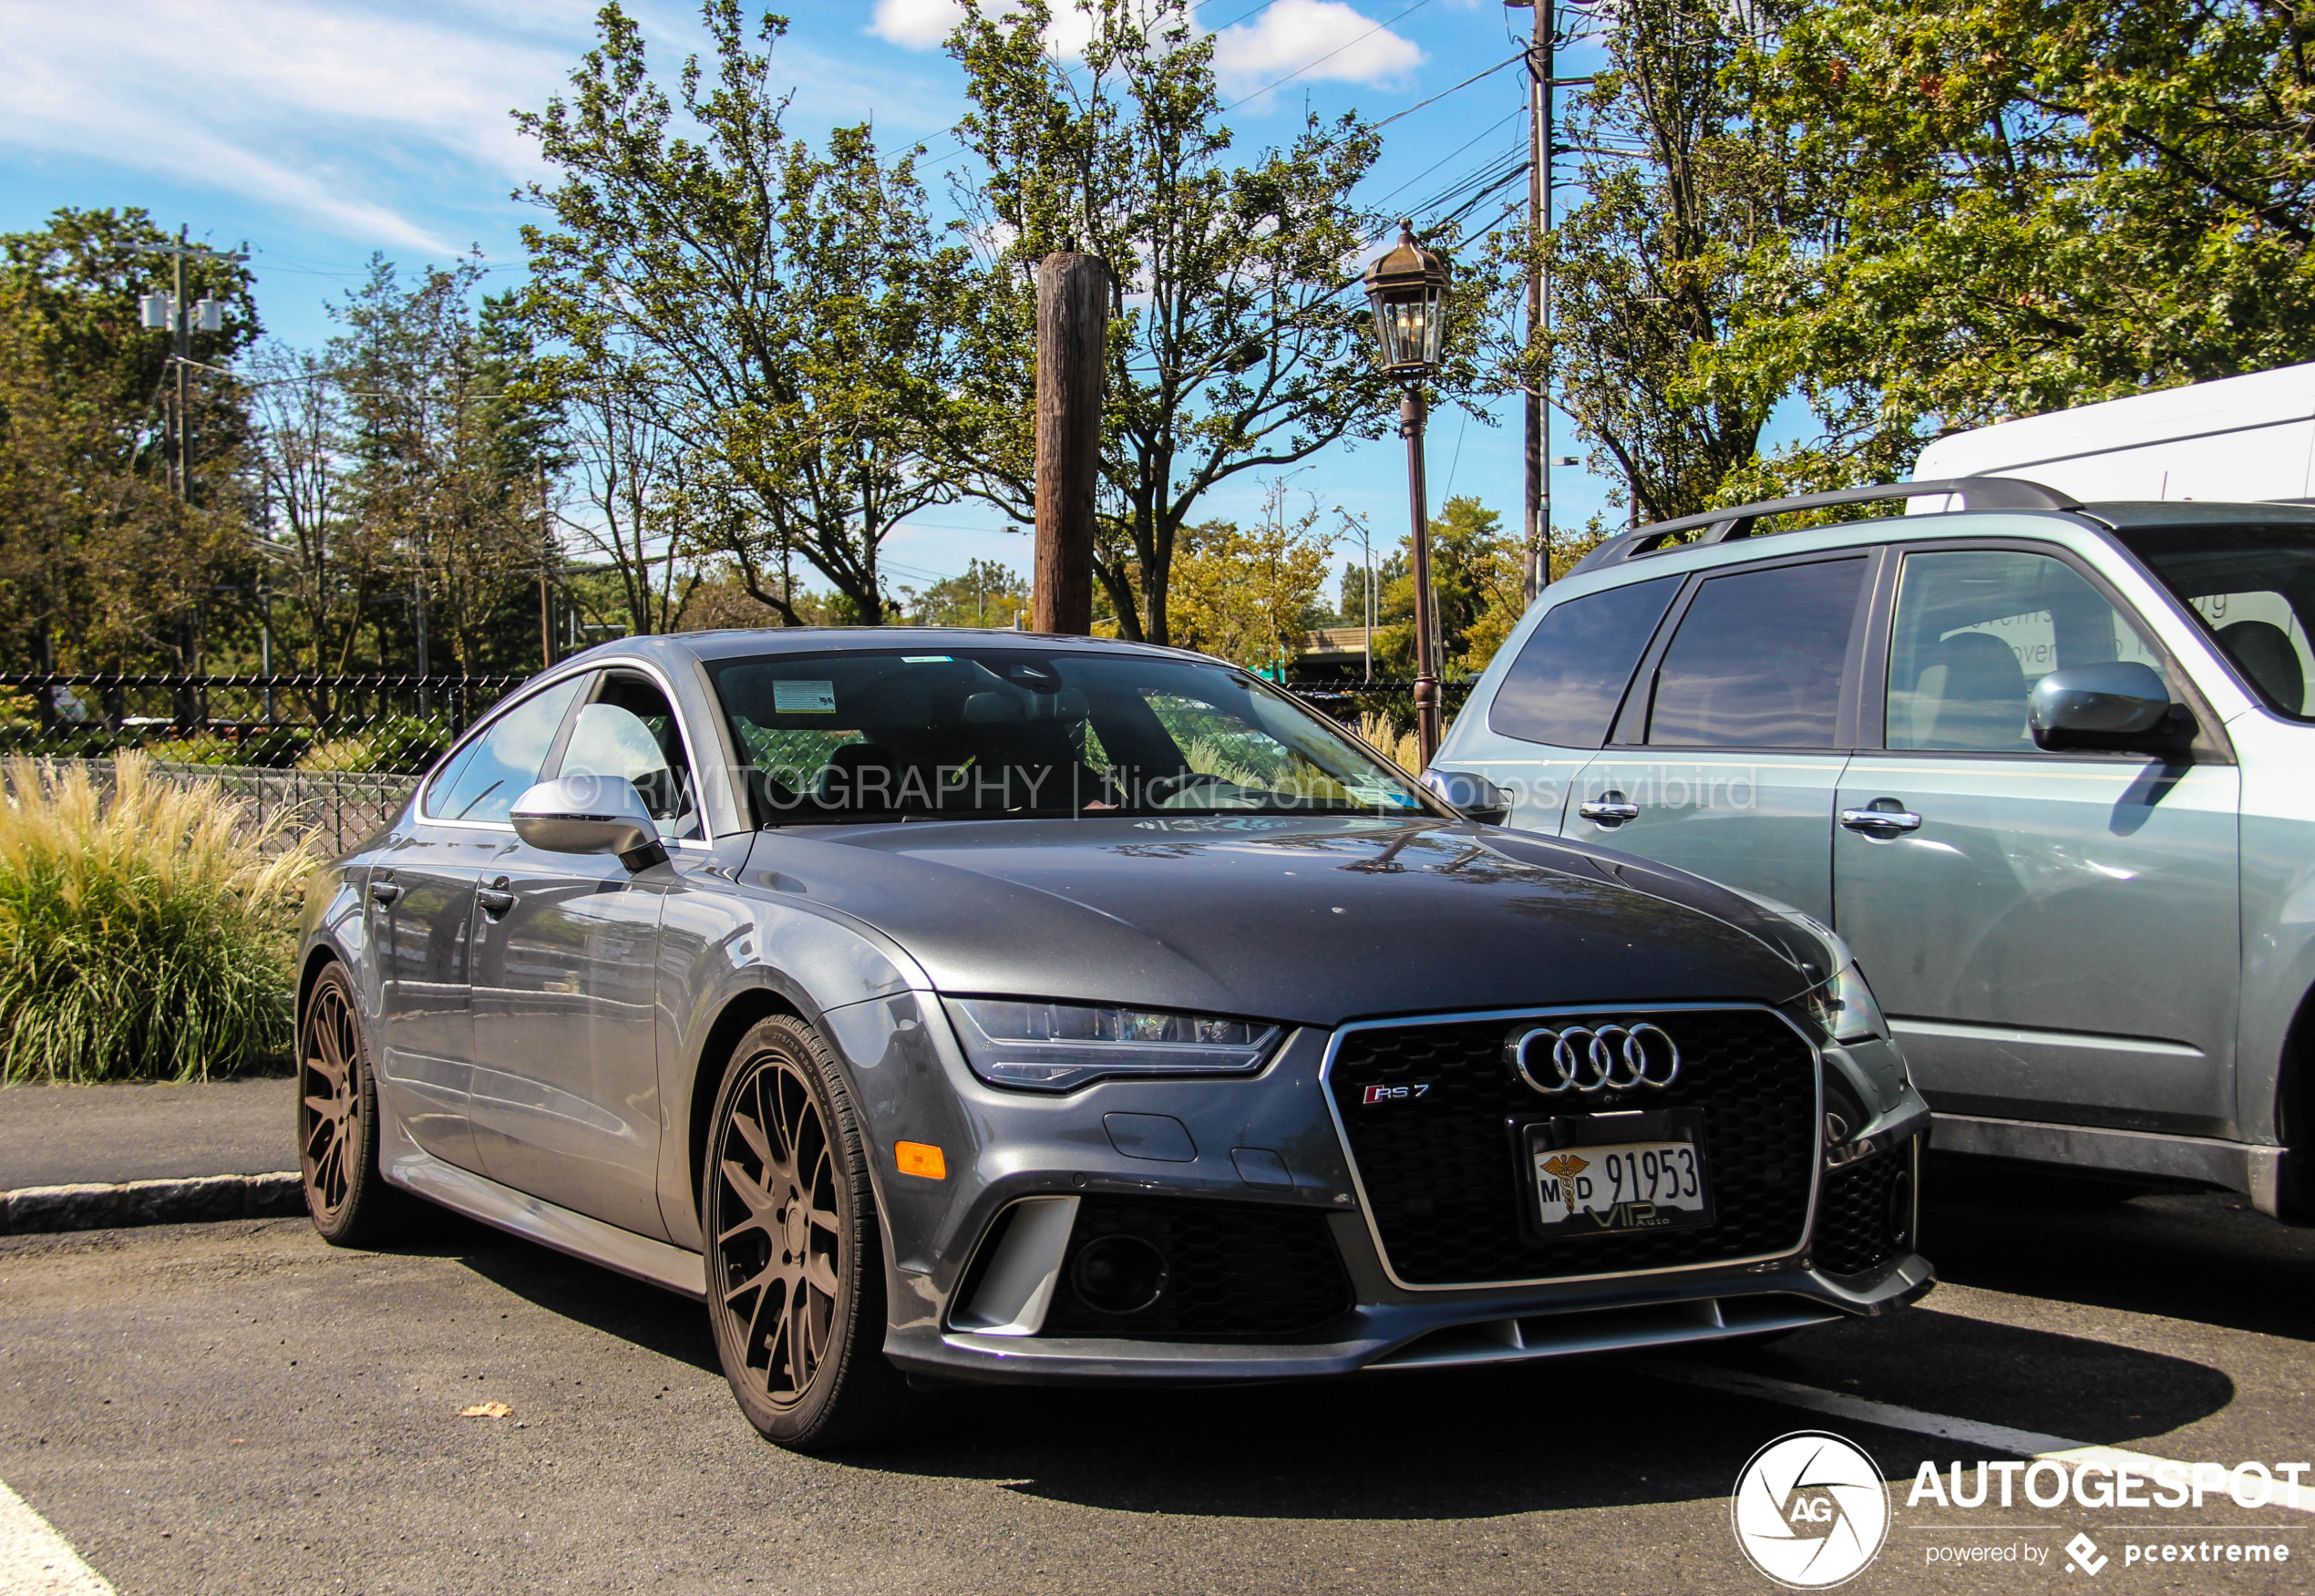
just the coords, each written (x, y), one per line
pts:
(1594, 1058)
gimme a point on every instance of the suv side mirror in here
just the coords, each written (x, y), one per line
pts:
(1473, 796)
(586, 814)
(2117, 704)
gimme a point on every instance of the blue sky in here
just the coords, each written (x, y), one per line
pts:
(319, 130)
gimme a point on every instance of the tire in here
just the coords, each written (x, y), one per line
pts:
(795, 1262)
(337, 1121)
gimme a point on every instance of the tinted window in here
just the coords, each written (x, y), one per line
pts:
(2254, 587)
(1757, 661)
(630, 732)
(1976, 629)
(504, 761)
(987, 732)
(1567, 682)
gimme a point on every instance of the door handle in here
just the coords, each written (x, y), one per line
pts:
(383, 892)
(495, 899)
(1610, 808)
(1883, 821)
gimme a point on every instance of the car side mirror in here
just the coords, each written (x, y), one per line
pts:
(1472, 795)
(2116, 704)
(588, 814)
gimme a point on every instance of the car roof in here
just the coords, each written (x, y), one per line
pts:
(738, 642)
(2097, 520)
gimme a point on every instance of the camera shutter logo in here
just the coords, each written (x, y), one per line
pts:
(1810, 1510)
(1593, 1058)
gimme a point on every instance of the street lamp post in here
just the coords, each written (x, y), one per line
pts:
(1408, 289)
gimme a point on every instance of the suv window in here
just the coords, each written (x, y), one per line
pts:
(629, 733)
(1756, 663)
(497, 767)
(1567, 682)
(1976, 629)
(2254, 587)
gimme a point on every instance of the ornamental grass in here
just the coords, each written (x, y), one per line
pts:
(146, 931)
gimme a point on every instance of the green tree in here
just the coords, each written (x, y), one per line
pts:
(798, 309)
(988, 594)
(1237, 339)
(1247, 593)
(440, 438)
(102, 562)
(1476, 583)
(1687, 193)
(2044, 203)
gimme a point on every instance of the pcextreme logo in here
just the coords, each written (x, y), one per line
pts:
(1810, 1510)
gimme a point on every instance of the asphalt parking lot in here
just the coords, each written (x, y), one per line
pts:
(236, 1407)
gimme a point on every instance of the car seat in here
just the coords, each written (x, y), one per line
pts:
(1980, 700)
(2264, 651)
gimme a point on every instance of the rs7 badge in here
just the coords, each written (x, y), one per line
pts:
(1405, 1093)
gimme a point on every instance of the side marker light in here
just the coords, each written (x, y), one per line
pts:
(920, 1158)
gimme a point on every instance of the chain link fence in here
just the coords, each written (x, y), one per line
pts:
(335, 754)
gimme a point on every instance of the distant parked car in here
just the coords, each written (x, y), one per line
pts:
(2044, 765)
(1047, 1009)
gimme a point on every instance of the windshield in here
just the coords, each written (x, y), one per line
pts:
(992, 733)
(2254, 587)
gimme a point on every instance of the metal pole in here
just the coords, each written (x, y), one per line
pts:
(1426, 680)
(1073, 317)
(545, 543)
(1366, 541)
(184, 353)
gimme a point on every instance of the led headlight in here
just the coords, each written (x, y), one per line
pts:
(1844, 1009)
(1056, 1046)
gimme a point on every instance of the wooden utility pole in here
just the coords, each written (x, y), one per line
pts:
(1073, 324)
(1538, 395)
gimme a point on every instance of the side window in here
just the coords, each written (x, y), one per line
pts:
(1567, 682)
(629, 733)
(498, 765)
(1757, 661)
(1976, 629)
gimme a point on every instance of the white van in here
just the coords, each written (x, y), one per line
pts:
(2238, 438)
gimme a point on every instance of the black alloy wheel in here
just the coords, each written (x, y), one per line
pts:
(794, 1261)
(337, 1120)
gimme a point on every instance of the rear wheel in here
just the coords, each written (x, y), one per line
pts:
(794, 1263)
(337, 1120)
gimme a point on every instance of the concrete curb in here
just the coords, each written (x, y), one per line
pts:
(97, 1207)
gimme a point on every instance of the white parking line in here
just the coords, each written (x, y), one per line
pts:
(35, 1560)
(1969, 1431)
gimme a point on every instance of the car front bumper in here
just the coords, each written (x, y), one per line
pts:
(1007, 1147)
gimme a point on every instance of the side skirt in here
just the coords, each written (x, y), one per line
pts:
(465, 1192)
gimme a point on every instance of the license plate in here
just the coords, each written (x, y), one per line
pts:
(1586, 1184)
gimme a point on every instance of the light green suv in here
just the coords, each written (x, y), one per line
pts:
(2048, 768)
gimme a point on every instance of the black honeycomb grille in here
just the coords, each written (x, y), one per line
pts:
(1441, 1171)
(1852, 1216)
(1235, 1273)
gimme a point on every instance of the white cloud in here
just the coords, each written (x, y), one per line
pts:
(319, 110)
(1292, 35)
(925, 24)
(919, 25)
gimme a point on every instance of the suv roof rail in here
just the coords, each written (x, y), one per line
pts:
(1736, 521)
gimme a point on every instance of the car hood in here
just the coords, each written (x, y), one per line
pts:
(1308, 920)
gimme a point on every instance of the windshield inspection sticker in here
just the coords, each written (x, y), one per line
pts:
(803, 697)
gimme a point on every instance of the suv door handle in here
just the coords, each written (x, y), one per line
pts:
(1610, 808)
(495, 899)
(383, 892)
(1884, 820)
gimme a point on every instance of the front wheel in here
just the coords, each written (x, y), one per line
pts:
(337, 1121)
(795, 1264)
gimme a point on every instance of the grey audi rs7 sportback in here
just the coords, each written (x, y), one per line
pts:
(947, 1006)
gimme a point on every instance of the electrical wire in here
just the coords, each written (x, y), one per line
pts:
(1329, 55)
